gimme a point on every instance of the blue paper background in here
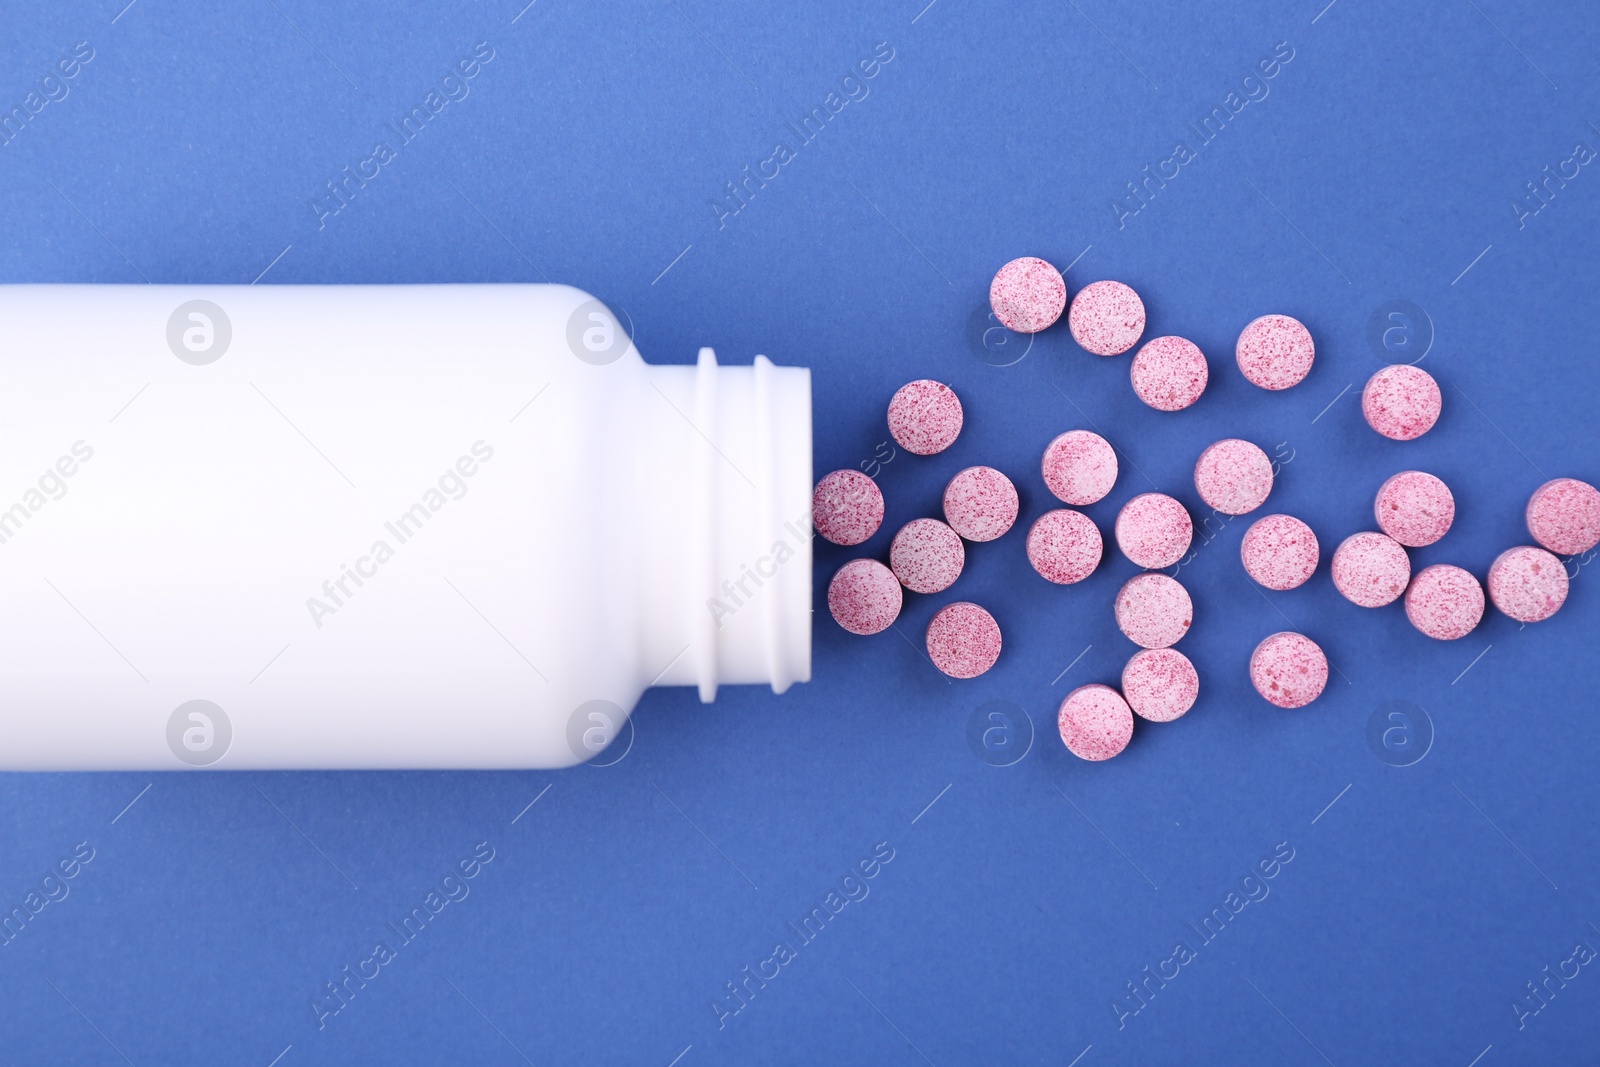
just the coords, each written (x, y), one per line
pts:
(1383, 164)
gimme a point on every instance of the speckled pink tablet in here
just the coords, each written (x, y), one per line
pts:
(1280, 552)
(1564, 516)
(1275, 352)
(1444, 602)
(927, 556)
(1169, 373)
(963, 640)
(1401, 402)
(1371, 569)
(1027, 295)
(925, 416)
(1080, 467)
(1160, 684)
(1064, 546)
(1153, 530)
(1414, 508)
(864, 597)
(846, 507)
(1527, 583)
(1095, 722)
(1233, 476)
(980, 503)
(1154, 611)
(1107, 318)
(1289, 670)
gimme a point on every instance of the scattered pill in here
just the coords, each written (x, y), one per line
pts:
(1233, 476)
(1279, 551)
(1064, 546)
(1564, 516)
(1160, 684)
(1153, 530)
(1371, 569)
(980, 503)
(963, 640)
(1095, 722)
(864, 597)
(1275, 352)
(925, 417)
(1027, 295)
(1444, 602)
(1401, 402)
(927, 556)
(847, 507)
(1107, 318)
(1080, 467)
(1289, 670)
(1527, 583)
(1154, 611)
(1169, 373)
(1414, 508)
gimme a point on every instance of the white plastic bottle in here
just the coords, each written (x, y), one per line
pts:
(378, 526)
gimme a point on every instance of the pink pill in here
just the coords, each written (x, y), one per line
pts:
(1107, 318)
(925, 417)
(1153, 530)
(1414, 508)
(1444, 602)
(1280, 552)
(927, 556)
(1064, 546)
(1527, 583)
(1080, 467)
(1564, 516)
(1027, 295)
(963, 640)
(980, 503)
(847, 507)
(1401, 402)
(1275, 352)
(1233, 477)
(1095, 722)
(1154, 611)
(1160, 684)
(1169, 373)
(1289, 670)
(864, 597)
(1371, 569)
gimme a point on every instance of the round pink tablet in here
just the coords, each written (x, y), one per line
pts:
(1107, 318)
(1064, 546)
(925, 417)
(1233, 476)
(1154, 611)
(980, 503)
(1371, 569)
(1527, 583)
(1444, 602)
(1275, 352)
(963, 640)
(1401, 402)
(1095, 722)
(1160, 684)
(864, 597)
(1027, 295)
(1153, 530)
(847, 507)
(1564, 516)
(1279, 551)
(1080, 467)
(927, 556)
(1414, 508)
(1289, 670)
(1169, 373)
